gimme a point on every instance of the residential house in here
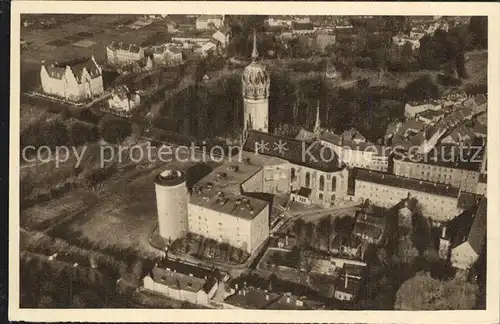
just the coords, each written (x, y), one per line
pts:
(370, 225)
(460, 135)
(166, 55)
(250, 297)
(205, 22)
(429, 117)
(123, 101)
(183, 282)
(354, 135)
(347, 287)
(465, 237)
(123, 54)
(222, 36)
(302, 28)
(413, 108)
(432, 135)
(73, 80)
(357, 154)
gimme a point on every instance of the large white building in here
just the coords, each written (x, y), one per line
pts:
(438, 201)
(124, 54)
(205, 22)
(220, 209)
(76, 80)
(256, 82)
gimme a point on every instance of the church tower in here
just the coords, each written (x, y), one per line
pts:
(255, 82)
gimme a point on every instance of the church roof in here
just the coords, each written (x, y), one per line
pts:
(312, 155)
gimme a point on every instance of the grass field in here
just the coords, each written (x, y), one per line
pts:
(46, 214)
(125, 218)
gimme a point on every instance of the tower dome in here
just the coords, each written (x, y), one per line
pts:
(255, 79)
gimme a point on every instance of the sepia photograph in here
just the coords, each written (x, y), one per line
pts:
(226, 161)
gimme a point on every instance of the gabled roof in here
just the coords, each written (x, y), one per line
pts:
(294, 151)
(467, 200)
(477, 233)
(77, 66)
(470, 226)
(121, 46)
(209, 17)
(252, 298)
(352, 134)
(429, 114)
(302, 26)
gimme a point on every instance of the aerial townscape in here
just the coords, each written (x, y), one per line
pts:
(321, 162)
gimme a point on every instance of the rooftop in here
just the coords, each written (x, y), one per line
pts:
(293, 150)
(388, 179)
(469, 226)
(77, 66)
(222, 191)
(252, 298)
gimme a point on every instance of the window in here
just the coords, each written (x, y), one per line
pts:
(292, 173)
(308, 179)
(334, 183)
(320, 196)
(321, 183)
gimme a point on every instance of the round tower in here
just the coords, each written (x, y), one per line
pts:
(255, 82)
(172, 203)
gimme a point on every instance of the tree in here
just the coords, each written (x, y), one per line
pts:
(478, 26)
(113, 129)
(298, 228)
(422, 292)
(324, 228)
(421, 89)
(406, 251)
(309, 231)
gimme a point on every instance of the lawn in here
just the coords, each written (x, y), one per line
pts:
(126, 214)
(46, 214)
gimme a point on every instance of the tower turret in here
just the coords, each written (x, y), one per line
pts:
(255, 83)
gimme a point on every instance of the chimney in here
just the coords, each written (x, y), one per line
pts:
(267, 297)
(345, 282)
(288, 300)
(236, 286)
(443, 232)
(286, 240)
(244, 292)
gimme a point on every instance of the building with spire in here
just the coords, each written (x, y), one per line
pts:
(256, 82)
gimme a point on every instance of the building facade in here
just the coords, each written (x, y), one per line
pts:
(437, 201)
(123, 100)
(463, 176)
(209, 22)
(256, 82)
(172, 203)
(76, 80)
(124, 54)
(197, 287)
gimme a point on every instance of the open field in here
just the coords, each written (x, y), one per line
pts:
(100, 29)
(126, 213)
(43, 215)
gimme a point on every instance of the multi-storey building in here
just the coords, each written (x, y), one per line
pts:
(461, 175)
(437, 201)
(205, 22)
(74, 80)
(220, 209)
(124, 54)
(358, 154)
